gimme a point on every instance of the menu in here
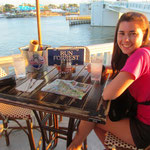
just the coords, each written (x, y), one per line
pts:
(69, 88)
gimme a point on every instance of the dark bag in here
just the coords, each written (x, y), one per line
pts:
(123, 106)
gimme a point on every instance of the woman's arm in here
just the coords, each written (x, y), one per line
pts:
(118, 85)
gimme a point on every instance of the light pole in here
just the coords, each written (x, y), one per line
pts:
(38, 22)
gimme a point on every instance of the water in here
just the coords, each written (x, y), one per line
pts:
(17, 32)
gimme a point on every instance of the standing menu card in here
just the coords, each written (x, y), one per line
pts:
(78, 55)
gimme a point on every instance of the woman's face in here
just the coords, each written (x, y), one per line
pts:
(129, 37)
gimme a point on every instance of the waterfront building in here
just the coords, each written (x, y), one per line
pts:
(26, 8)
(101, 16)
(85, 9)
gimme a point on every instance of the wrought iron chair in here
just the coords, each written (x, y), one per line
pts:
(13, 113)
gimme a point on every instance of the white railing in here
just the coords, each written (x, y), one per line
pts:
(7, 63)
(106, 48)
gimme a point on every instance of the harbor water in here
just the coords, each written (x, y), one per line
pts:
(17, 32)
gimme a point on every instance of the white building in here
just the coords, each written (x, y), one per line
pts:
(85, 9)
(100, 16)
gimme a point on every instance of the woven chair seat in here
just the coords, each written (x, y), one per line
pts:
(111, 141)
(14, 111)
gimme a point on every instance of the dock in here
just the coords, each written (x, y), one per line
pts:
(75, 20)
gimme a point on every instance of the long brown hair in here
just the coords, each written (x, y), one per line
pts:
(118, 58)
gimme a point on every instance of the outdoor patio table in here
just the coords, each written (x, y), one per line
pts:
(90, 108)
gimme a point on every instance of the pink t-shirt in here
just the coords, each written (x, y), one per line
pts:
(138, 64)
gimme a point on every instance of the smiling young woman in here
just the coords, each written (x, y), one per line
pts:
(131, 70)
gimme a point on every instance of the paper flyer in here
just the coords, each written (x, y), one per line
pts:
(69, 88)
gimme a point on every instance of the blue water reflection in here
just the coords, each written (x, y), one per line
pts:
(18, 32)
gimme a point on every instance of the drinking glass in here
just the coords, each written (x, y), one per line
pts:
(19, 66)
(65, 65)
(96, 67)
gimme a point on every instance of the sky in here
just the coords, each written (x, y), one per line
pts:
(44, 2)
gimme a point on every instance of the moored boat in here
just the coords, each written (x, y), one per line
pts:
(2, 16)
(19, 15)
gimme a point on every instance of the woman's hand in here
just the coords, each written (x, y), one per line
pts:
(88, 68)
(108, 70)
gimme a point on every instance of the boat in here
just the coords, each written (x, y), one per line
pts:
(20, 15)
(2, 16)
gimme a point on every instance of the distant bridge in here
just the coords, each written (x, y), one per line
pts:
(107, 13)
(122, 7)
